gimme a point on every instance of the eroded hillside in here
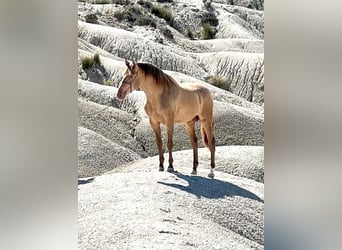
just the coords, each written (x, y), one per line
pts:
(204, 40)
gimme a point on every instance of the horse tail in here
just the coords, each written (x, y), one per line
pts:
(205, 136)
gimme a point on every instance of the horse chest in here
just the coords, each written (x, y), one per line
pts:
(155, 113)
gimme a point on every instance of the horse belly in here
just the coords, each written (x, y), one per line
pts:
(185, 113)
(187, 107)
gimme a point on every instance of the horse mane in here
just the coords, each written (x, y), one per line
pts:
(159, 76)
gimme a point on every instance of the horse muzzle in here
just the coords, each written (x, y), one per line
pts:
(120, 96)
(122, 93)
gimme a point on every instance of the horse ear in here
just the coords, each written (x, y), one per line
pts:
(134, 66)
(127, 64)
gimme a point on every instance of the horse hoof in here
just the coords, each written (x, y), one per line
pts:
(161, 168)
(170, 169)
(194, 172)
(211, 175)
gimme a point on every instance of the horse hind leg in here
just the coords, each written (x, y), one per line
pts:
(211, 143)
(190, 129)
(209, 140)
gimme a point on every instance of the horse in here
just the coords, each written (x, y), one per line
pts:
(169, 103)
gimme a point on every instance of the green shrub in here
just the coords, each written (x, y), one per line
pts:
(135, 14)
(145, 21)
(219, 81)
(145, 4)
(96, 58)
(208, 32)
(88, 62)
(135, 9)
(209, 18)
(120, 2)
(100, 1)
(189, 33)
(207, 3)
(130, 13)
(107, 82)
(120, 14)
(91, 18)
(164, 13)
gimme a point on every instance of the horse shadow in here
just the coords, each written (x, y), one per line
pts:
(85, 181)
(211, 188)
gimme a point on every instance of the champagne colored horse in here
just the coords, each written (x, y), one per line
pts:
(169, 103)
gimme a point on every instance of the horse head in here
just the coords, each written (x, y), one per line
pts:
(130, 80)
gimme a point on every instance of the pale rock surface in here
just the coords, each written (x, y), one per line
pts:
(97, 154)
(244, 71)
(140, 207)
(243, 161)
(243, 67)
(231, 44)
(114, 124)
(127, 44)
(252, 4)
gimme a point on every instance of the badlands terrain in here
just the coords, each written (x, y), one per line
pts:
(124, 201)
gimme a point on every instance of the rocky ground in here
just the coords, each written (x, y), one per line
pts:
(141, 208)
(124, 202)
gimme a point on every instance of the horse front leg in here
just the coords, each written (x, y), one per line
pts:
(156, 129)
(170, 145)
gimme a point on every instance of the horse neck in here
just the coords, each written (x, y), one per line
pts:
(152, 89)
